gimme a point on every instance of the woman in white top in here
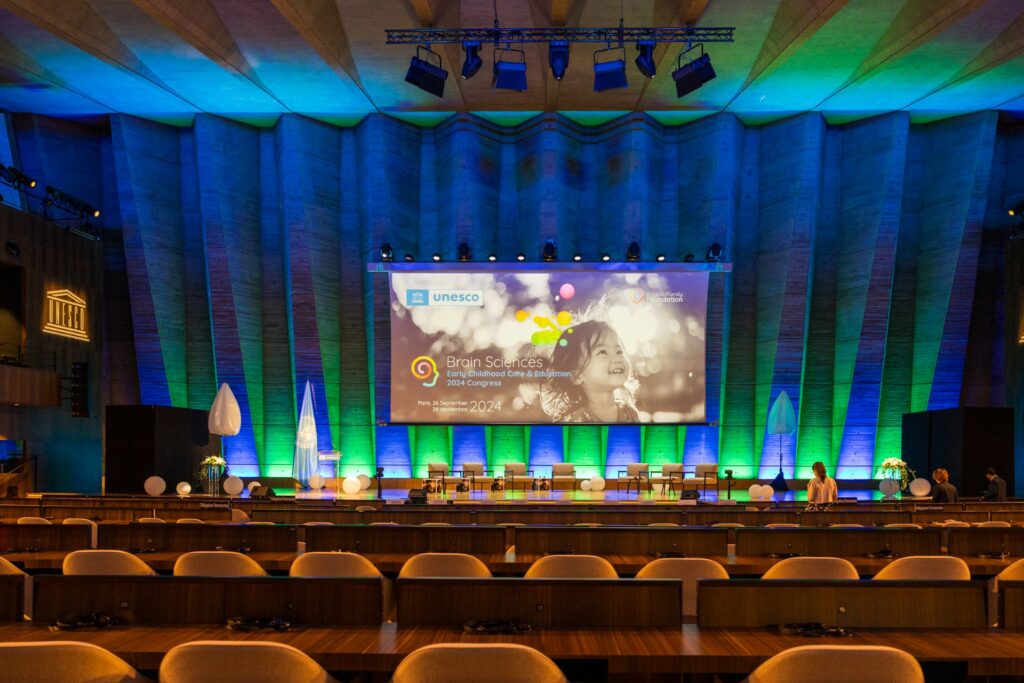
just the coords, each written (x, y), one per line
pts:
(821, 489)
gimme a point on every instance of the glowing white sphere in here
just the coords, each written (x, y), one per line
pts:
(767, 492)
(155, 485)
(183, 488)
(754, 491)
(364, 481)
(351, 486)
(920, 487)
(233, 485)
(585, 485)
(316, 482)
(888, 486)
(597, 483)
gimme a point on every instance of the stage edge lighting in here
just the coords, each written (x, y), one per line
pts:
(550, 251)
(464, 253)
(558, 58)
(386, 252)
(633, 252)
(714, 254)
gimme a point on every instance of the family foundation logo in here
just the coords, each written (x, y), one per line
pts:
(425, 369)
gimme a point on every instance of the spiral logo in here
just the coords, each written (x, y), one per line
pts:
(424, 368)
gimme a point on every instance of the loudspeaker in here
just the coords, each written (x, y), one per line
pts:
(141, 441)
(688, 494)
(417, 497)
(264, 492)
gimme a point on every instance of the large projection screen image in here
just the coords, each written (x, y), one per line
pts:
(547, 347)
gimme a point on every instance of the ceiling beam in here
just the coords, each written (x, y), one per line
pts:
(427, 11)
(559, 11)
(690, 11)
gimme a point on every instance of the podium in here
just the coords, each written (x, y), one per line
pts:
(335, 457)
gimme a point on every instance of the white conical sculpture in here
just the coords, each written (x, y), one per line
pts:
(781, 420)
(307, 457)
(225, 415)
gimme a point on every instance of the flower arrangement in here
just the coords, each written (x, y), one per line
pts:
(897, 470)
(214, 460)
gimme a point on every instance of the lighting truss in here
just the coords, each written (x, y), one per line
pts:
(618, 34)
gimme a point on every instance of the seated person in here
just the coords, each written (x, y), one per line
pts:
(944, 492)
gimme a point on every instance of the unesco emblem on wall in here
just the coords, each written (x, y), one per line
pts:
(65, 315)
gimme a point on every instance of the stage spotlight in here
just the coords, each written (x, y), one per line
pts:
(610, 73)
(550, 251)
(492, 257)
(436, 257)
(645, 60)
(715, 253)
(689, 258)
(1012, 212)
(659, 258)
(95, 212)
(472, 62)
(633, 252)
(425, 74)
(606, 257)
(408, 258)
(520, 257)
(386, 252)
(464, 252)
(577, 257)
(509, 74)
(693, 74)
(16, 177)
(558, 58)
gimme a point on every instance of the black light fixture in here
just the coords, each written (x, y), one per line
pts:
(472, 63)
(606, 257)
(492, 257)
(427, 74)
(633, 252)
(520, 257)
(577, 257)
(464, 252)
(645, 60)
(436, 257)
(15, 177)
(689, 258)
(610, 73)
(550, 251)
(387, 254)
(408, 258)
(714, 253)
(660, 258)
(558, 58)
(509, 69)
(692, 74)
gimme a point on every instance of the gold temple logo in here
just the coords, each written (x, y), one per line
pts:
(65, 315)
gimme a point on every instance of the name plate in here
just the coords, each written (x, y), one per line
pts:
(928, 508)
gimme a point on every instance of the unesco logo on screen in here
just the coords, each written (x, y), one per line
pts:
(444, 297)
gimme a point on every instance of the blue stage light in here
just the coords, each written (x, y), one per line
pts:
(425, 74)
(610, 73)
(645, 60)
(509, 74)
(558, 58)
(473, 61)
(693, 74)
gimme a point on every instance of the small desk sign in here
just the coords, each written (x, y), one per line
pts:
(65, 315)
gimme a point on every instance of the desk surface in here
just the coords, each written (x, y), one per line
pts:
(987, 652)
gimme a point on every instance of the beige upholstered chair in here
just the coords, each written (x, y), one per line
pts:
(33, 520)
(839, 664)
(216, 563)
(781, 525)
(903, 525)
(383, 524)
(1015, 572)
(663, 524)
(571, 567)
(671, 472)
(635, 475)
(150, 520)
(439, 471)
(588, 524)
(955, 523)
(707, 474)
(190, 520)
(477, 663)
(436, 524)
(925, 568)
(564, 472)
(332, 564)
(514, 470)
(688, 569)
(239, 515)
(444, 565)
(996, 524)
(812, 568)
(6, 567)
(477, 474)
(239, 662)
(64, 661)
(81, 521)
(105, 563)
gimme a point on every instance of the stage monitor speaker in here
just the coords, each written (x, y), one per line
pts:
(417, 497)
(688, 494)
(964, 441)
(142, 441)
(264, 492)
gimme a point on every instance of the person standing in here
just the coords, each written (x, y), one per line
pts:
(821, 489)
(944, 492)
(996, 492)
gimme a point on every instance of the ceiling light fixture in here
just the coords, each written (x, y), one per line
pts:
(425, 74)
(692, 74)
(472, 63)
(645, 60)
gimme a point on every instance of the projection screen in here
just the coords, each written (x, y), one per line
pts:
(548, 347)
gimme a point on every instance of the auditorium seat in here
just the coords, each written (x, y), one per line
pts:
(812, 568)
(259, 523)
(925, 568)
(64, 661)
(105, 563)
(995, 524)
(332, 564)
(663, 524)
(846, 526)
(781, 525)
(384, 524)
(839, 664)
(436, 524)
(564, 472)
(1015, 572)
(6, 567)
(239, 515)
(190, 520)
(587, 524)
(952, 523)
(475, 663)
(318, 524)
(571, 567)
(430, 565)
(81, 521)
(150, 520)
(239, 662)
(903, 525)
(33, 520)
(216, 563)
(728, 525)
(689, 570)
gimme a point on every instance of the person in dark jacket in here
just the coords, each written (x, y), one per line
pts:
(944, 492)
(996, 492)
